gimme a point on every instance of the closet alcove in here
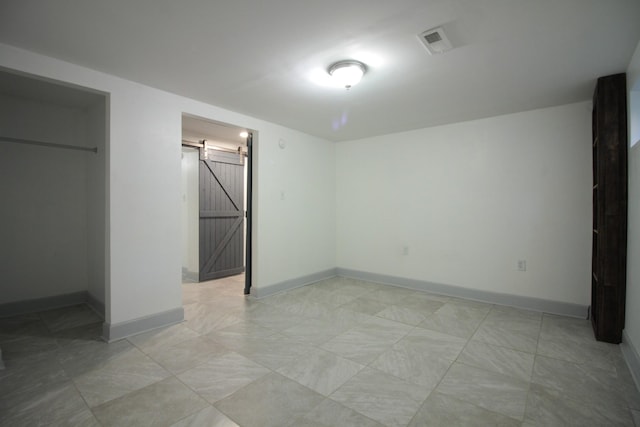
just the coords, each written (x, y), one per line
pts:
(53, 182)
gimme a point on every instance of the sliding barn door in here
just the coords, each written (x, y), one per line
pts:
(221, 214)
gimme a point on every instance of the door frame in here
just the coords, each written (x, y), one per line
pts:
(249, 198)
(248, 215)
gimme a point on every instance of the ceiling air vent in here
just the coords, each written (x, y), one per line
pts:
(435, 41)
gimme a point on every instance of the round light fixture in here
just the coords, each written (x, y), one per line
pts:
(347, 73)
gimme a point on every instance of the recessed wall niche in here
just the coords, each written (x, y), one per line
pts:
(53, 188)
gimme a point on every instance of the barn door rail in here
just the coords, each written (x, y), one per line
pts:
(47, 144)
(209, 146)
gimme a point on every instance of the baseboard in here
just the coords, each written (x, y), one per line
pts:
(189, 276)
(528, 303)
(630, 354)
(292, 283)
(118, 331)
(43, 304)
(96, 305)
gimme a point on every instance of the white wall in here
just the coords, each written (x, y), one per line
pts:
(190, 213)
(43, 237)
(471, 199)
(634, 118)
(632, 313)
(96, 202)
(292, 237)
(633, 87)
(296, 199)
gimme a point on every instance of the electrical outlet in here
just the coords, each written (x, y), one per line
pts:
(522, 265)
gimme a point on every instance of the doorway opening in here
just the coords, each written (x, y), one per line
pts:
(216, 196)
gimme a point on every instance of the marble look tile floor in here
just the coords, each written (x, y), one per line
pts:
(340, 352)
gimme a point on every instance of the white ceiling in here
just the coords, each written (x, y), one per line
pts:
(256, 57)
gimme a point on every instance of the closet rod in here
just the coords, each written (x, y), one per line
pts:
(48, 144)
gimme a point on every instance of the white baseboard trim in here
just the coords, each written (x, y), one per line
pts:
(292, 283)
(42, 304)
(190, 276)
(528, 303)
(96, 305)
(630, 354)
(118, 331)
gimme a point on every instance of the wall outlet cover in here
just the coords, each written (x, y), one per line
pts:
(522, 265)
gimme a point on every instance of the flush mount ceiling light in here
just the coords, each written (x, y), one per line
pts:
(347, 73)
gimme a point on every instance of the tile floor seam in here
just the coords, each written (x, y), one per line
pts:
(365, 366)
(235, 420)
(421, 405)
(393, 375)
(526, 401)
(526, 408)
(183, 371)
(194, 392)
(335, 401)
(41, 317)
(187, 416)
(490, 371)
(467, 402)
(539, 334)
(507, 348)
(230, 416)
(155, 329)
(487, 409)
(503, 346)
(365, 415)
(468, 340)
(75, 386)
